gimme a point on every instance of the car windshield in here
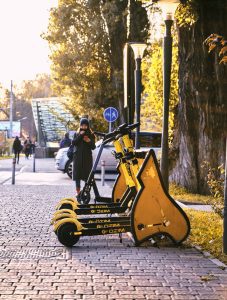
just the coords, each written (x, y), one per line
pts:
(149, 139)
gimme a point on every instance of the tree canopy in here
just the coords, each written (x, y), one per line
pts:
(86, 39)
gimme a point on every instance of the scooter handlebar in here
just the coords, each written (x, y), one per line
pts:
(133, 126)
(99, 133)
(108, 137)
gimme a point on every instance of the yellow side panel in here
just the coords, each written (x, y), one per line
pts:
(154, 207)
(120, 186)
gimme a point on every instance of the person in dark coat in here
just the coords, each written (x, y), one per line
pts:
(66, 142)
(83, 142)
(27, 147)
(17, 147)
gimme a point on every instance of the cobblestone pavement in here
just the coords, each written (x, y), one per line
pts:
(33, 265)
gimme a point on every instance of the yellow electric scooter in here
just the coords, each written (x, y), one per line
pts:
(124, 189)
(152, 212)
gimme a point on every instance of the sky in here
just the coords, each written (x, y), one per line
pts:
(23, 53)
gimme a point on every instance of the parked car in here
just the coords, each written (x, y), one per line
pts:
(147, 140)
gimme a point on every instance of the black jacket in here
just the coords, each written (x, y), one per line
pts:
(17, 146)
(82, 157)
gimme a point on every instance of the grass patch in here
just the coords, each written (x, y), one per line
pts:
(181, 194)
(207, 232)
(6, 157)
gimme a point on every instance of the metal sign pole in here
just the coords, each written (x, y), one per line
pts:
(110, 126)
(103, 172)
(225, 206)
(34, 159)
(13, 170)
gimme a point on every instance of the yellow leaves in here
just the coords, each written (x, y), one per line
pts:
(187, 14)
(215, 181)
(207, 232)
(223, 50)
(215, 40)
(223, 60)
(211, 47)
(152, 107)
(208, 277)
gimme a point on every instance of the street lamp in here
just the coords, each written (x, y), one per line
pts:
(138, 49)
(168, 8)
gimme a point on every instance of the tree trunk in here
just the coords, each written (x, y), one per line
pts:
(115, 14)
(201, 123)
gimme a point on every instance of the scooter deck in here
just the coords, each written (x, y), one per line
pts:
(108, 210)
(108, 229)
(103, 220)
(103, 200)
(111, 208)
(96, 225)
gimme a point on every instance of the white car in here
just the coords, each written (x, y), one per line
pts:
(147, 140)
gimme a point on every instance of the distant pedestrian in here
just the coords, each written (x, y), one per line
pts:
(17, 147)
(83, 142)
(32, 147)
(66, 141)
(27, 147)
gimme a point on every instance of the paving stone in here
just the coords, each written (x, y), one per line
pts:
(36, 266)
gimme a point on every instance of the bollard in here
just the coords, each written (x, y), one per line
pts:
(103, 172)
(13, 170)
(34, 160)
(225, 206)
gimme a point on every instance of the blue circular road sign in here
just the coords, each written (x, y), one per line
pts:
(110, 114)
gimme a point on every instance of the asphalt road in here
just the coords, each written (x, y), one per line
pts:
(45, 173)
(26, 166)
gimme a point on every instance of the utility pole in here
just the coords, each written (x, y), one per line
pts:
(11, 111)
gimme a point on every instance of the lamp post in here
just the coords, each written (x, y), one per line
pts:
(168, 8)
(138, 49)
(11, 111)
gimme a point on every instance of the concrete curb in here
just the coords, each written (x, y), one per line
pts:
(210, 257)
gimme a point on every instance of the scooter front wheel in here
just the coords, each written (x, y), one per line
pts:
(65, 234)
(84, 198)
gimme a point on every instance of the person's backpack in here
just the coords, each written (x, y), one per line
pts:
(70, 152)
(65, 143)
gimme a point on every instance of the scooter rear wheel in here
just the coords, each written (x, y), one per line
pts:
(66, 235)
(84, 198)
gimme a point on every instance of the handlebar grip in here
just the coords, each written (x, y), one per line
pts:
(121, 129)
(123, 126)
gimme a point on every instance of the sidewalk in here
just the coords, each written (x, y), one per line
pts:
(33, 265)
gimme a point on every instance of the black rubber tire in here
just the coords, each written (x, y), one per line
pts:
(65, 234)
(85, 199)
(68, 168)
(56, 232)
